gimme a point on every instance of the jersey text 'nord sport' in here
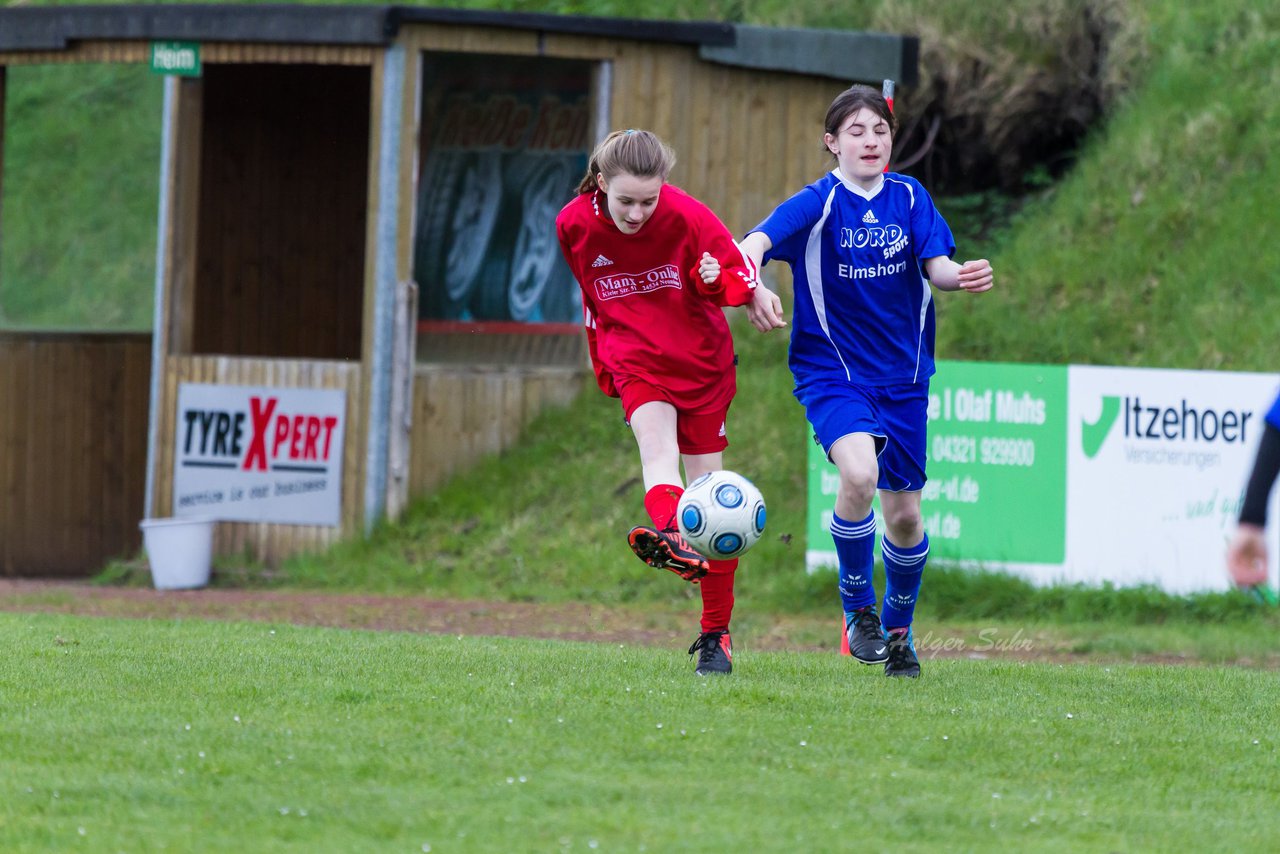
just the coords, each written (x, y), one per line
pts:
(863, 307)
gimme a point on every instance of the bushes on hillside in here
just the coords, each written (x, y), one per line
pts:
(1009, 89)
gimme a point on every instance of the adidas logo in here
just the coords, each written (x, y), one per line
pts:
(601, 261)
(870, 218)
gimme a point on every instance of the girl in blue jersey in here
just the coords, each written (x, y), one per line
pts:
(864, 245)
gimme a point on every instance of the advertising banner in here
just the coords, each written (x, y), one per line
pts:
(1158, 461)
(1080, 474)
(996, 487)
(504, 144)
(997, 466)
(250, 454)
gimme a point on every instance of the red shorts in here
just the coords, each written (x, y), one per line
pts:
(696, 432)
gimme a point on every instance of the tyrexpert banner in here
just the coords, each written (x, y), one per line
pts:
(250, 454)
(1088, 474)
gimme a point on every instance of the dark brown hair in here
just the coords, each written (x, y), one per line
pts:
(635, 152)
(853, 99)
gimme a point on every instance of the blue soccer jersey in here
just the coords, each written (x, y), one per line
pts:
(1273, 414)
(863, 308)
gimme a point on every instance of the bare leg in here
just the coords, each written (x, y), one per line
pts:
(855, 458)
(654, 426)
(903, 522)
(696, 465)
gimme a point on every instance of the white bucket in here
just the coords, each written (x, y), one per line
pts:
(179, 551)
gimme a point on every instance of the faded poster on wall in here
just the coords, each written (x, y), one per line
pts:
(504, 144)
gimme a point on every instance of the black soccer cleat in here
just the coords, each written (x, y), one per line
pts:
(866, 636)
(902, 655)
(715, 654)
(667, 550)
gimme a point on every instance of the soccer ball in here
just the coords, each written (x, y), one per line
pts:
(721, 514)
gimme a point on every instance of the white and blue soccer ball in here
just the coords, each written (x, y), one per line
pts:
(721, 514)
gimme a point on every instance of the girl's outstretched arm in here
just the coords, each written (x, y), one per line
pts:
(972, 276)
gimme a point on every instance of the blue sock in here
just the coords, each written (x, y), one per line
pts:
(903, 569)
(855, 546)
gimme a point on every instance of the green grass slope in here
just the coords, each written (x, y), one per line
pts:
(81, 188)
(1159, 248)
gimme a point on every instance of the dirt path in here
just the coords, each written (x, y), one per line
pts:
(564, 621)
(582, 622)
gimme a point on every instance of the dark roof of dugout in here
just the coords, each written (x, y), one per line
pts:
(844, 55)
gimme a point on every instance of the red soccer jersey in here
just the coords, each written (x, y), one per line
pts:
(649, 316)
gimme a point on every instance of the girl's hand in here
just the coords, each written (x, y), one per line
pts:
(765, 309)
(976, 276)
(708, 268)
(1247, 556)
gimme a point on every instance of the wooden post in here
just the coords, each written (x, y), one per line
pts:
(402, 377)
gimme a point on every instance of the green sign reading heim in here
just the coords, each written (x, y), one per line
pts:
(996, 485)
(182, 58)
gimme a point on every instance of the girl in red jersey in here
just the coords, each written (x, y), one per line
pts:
(656, 266)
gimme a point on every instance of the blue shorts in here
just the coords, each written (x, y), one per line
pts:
(896, 416)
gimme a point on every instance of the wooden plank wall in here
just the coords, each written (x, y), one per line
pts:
(282, 211)
(506, 348)
(757, 135)
(463, 413)
(263, 542)
(73, 450)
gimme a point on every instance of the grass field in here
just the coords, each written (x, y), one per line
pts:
(124, 735)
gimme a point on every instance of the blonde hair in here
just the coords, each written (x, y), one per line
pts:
(636, 152)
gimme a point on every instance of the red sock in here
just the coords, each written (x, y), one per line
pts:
(717, 595)
(660, 503)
